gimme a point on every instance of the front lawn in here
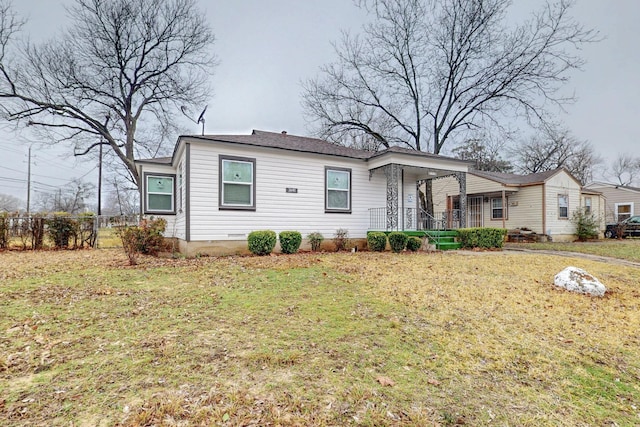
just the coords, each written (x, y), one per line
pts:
(628, 249)
(315, 339)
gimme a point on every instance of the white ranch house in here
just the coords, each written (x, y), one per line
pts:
(215, 189)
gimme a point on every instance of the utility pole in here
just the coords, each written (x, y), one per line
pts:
(29, 184)
(100, 182)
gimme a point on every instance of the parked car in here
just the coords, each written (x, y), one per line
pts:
(630, 227)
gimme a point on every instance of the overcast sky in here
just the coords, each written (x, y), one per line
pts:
(267, 47)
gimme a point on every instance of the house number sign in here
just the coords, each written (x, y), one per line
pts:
(292, 190)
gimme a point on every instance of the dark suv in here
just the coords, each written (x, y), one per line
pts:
(630, 227)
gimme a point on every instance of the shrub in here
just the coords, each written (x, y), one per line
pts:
(61, 229)
(398, 241)
(481, 237)
(341, 239)
(377, 241)
(4, 230)
(145, 238)
(586, 225)
(414, 243)
(290, 241)
(262, 242)
(315, 240)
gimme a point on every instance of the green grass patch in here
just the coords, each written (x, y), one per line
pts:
(628, 249)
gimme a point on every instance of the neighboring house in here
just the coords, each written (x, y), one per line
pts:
(622, 201)
(541, 202)
(215, 189)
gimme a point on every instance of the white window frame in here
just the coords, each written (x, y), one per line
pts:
(505, 211)
(252, 192)
(617, 214)
(147, 209)
(588, 205)
(565, 197)
(327, 208)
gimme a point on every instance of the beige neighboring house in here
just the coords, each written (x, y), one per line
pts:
(541, 202)
(622, 201)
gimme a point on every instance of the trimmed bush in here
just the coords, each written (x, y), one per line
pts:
(61, 229)
(290, 241)
(481, 237)
(376, 241)
(398, 241)
(414, 243)
(315, 240)
(262, 242)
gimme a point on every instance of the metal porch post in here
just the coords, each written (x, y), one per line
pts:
(462, 181)
(391, 172)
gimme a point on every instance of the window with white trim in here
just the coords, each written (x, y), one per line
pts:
(159, 195)
(237, 183)
(587, 205)
(623, 211)
(337, 190)
(563, 206)
(497, 210)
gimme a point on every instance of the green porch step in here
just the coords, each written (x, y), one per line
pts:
(444, 240)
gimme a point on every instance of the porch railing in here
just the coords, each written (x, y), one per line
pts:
(410, 219)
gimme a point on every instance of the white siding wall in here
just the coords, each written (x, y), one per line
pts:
(172, 225)
(277, 170)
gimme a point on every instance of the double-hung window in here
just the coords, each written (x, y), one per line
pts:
(563, 206)
(497, 210)
(587, 205)
(337, 190)
(237, 183)
(159, 197)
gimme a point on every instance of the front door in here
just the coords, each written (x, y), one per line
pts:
(474, 207)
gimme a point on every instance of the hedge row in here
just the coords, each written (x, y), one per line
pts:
(377, 241)
(481, 237)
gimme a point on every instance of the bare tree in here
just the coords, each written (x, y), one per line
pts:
(73, 199)
(119, 74)
(9, 203)
(485, 153)
(425, 70)
(555, 148)
(625, 169)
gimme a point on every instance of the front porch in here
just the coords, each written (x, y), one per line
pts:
(414, 219)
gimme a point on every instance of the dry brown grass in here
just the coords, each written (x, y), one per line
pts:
(315, 339)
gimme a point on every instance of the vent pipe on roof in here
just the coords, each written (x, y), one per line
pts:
(284, 132)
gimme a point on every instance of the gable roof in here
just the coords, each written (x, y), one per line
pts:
(515, 180)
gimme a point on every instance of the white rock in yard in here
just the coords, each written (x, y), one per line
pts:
(577, 280)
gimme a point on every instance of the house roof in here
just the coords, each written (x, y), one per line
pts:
(285, 141)
(597, 184)
(288, 142)
(515, 180)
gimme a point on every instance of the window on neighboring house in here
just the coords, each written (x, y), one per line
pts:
(623, 211)
(237, 183)
(563, 206)
(159, 197)
(587, 205)
(497, 210)
(337, 190)
(180, 185)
